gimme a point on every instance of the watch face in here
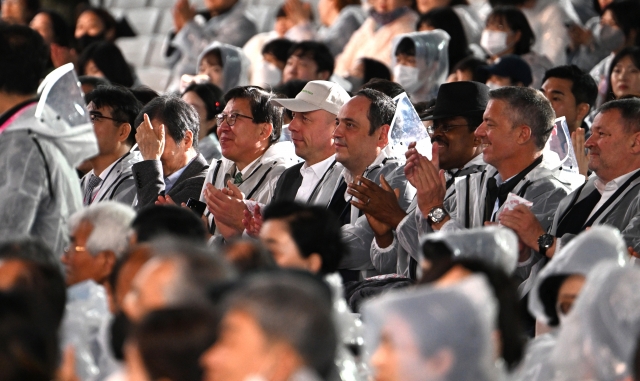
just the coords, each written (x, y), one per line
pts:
(437, 213)
(546, 240)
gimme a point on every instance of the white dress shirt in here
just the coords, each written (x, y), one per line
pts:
(311, 175)
(607, 190)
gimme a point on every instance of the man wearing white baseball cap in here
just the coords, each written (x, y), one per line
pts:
(314, 118)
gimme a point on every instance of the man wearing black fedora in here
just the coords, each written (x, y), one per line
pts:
(451, 125)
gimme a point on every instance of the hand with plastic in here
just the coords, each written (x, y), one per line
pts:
(150, 139)
(577, 140)
(522, 221)
(378, 202)
(227, 206)
(183, 12)
(253, 222)
(427, 177)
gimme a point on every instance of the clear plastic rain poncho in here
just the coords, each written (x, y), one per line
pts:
(235, 65)
(560, 153)
(495, 245)
(598, 245)
(598, 338)
(62, 116)
(581, 255)
(432, 59)
(406, 127)
(442, 334)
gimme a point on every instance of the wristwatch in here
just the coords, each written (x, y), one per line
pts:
(437, 214)
(544, 242)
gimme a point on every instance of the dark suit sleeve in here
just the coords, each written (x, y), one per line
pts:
(189, 184)
(149, 181)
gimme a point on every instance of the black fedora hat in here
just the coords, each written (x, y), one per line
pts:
(460, 99)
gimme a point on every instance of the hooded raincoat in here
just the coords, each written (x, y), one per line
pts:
(235, 65)
(41, 142)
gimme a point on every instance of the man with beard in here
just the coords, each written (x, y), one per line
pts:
(458, 105)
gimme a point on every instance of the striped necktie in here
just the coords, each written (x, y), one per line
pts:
(94, 181)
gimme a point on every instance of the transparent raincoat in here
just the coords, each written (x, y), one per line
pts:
(598, 338)
(426, 324)
(235, 65)
(497, 246)
(432, 59)
(40, 146)
(589, 249)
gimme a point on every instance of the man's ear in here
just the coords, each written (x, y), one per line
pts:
(188, 139)
(582, 111)
(124, 131)
(635, 145)
(383, 135)
(525, 134)
(315, 263)
(323, 75)
(265, 130)
(107, 262)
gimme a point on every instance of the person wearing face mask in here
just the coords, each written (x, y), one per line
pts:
(94, 24)
(387, 19)
(508, 32)
(620, 29)
(510, 70)
(421, 63)
(624, 79)
(556, 289)
(268, 71)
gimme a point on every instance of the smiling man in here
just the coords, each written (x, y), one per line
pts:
(610, 197)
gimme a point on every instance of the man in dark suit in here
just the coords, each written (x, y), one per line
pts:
(314, 119)
(171, 169)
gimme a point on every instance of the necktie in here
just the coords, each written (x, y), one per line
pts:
(237, 180)
(94, 181)
(495, 192)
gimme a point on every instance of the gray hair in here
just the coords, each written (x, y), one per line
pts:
(200, 271)
(629, 109)
(294, 308)
(527, 106)
(111, 222)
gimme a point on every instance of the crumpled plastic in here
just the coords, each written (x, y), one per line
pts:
(406, 127)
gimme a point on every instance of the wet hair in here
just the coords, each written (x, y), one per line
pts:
(583, 87)
(381, 109)
(387, 87)
(406, 47)
(124, 106)
(279, 48)
(144, 94)
(62, 33)
(527, 106)
(293, 307)
(629, 109)
(626, 14)
(633, 52)
(24, 58)
(177, 116)
(517, 22)
(261, 107)
(445, 18)
(374, 69)
(109, 59)
(171, 342)
(163, 220)
(313, 229)
(211, 95)
(317, 51)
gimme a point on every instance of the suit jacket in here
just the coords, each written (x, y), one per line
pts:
(118, 184)
(150, 181)
(291, 179)
(288, 184)
(623, 213)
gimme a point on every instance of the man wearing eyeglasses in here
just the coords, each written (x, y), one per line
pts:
(113, 111)
(451, 126)
(252, 159)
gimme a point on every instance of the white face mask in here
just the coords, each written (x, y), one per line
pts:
(407, 77)
(608, 37)
(494, 42)
(269, 74)
(493, 86)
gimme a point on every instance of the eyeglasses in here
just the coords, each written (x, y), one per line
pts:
(75, 248)
(231, 118)
(431, 130)
(98, 117)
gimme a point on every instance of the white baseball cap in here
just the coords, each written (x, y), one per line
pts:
(316, 95)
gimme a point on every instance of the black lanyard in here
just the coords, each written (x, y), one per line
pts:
(611, 199)
(315, 189)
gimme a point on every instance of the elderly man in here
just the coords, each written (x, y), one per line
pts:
(113, 112)
(514, 131)
(276, 326)
(314, 119)
(167, 136)
(609, 198)
(248, 131)
(99, 236)
(458, 105)
(179, 273)
(361, 139)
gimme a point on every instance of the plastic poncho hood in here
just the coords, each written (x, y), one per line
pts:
(62, 117)
(235, 65)
(432, 60)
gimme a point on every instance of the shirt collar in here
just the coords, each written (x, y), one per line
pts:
(249, 167)
(613, 184)
(318, 168)
(106, 170)
(172, 178)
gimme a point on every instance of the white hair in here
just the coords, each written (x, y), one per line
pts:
(111, 222)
